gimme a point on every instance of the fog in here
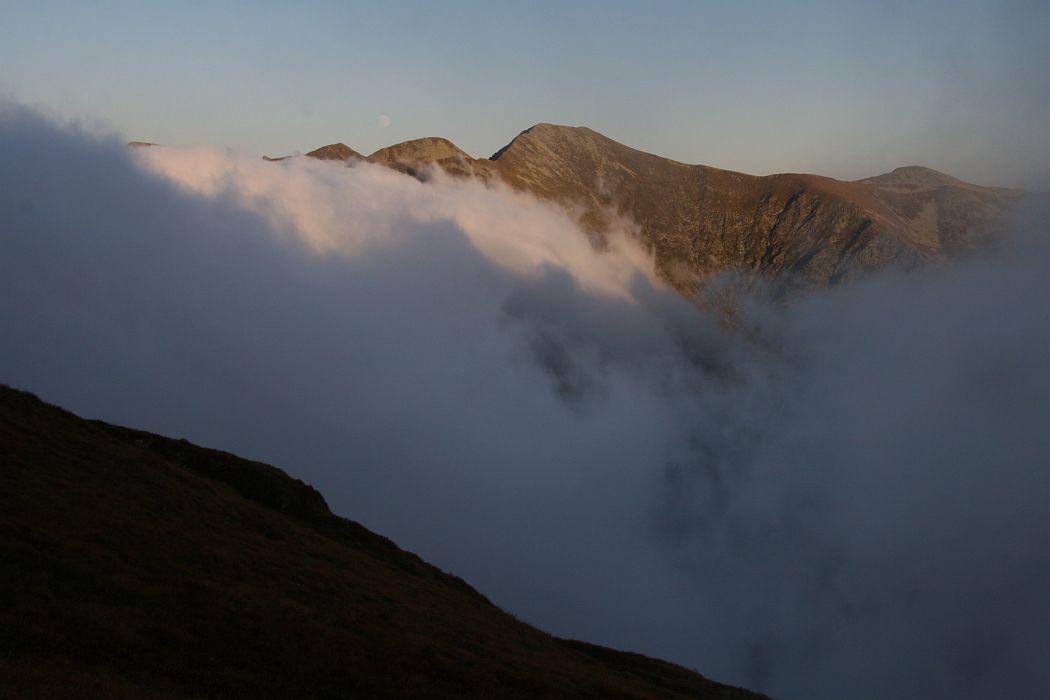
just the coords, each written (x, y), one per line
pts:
(843, 497)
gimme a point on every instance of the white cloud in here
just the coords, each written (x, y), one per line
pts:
(340, 209)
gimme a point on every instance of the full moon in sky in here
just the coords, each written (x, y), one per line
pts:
(384, 121)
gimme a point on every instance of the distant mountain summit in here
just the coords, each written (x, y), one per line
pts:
(914, 176)
(802, 231)
(416, 156)
(428, 149)
(335, 151)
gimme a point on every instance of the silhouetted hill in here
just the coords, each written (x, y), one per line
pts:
(138, 566)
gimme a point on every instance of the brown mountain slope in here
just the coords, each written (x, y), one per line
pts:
(803, 230)
(700, 220)
(137, 566)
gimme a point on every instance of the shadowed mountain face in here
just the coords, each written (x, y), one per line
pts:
(804, 231)
(137, 566)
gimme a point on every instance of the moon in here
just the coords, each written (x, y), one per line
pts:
(384, 121)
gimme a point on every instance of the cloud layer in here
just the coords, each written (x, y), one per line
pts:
(844, 498)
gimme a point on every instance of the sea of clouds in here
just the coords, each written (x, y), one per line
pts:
(846, 496)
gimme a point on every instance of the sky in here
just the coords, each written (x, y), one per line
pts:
(847, 89)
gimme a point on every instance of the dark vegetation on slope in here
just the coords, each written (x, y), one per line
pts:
(137, 566)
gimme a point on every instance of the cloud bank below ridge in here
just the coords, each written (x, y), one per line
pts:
(848, 500)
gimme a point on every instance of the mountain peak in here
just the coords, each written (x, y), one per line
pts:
(548, 135)
(915, 176)
(334, 151)
(543, 129)
(427, 149)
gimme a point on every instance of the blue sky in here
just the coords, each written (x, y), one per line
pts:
(843, 88)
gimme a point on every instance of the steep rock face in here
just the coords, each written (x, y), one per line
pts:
(138, 566)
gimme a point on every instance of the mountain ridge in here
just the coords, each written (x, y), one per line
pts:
(801, 231)
(893, 175)
(791, 232)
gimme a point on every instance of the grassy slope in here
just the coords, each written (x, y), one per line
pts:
(137, 566)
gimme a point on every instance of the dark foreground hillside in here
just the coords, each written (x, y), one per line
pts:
(136, 566)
